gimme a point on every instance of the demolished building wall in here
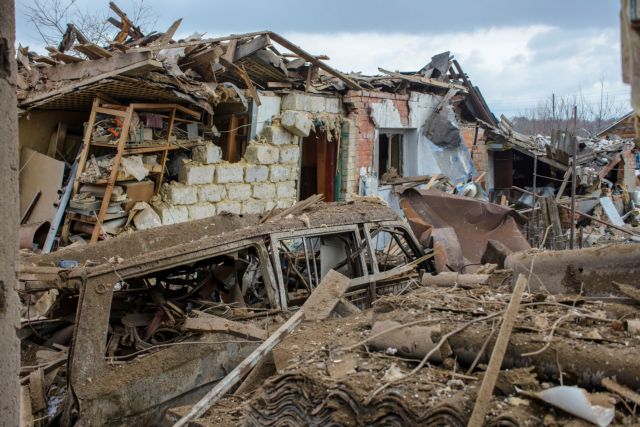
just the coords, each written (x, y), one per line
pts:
(9, 302)
(411, 116)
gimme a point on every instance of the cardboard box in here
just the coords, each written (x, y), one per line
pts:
(138, 191)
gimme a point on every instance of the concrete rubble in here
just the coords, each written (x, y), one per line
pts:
(250, 237)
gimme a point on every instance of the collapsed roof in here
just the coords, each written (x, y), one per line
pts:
(206, 71)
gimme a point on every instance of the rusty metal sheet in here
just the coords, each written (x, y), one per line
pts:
(459, 228)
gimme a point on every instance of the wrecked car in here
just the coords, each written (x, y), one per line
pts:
(122, 307)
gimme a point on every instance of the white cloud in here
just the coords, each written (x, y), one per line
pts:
(515, 67)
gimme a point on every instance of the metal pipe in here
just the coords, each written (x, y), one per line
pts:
(306, 258)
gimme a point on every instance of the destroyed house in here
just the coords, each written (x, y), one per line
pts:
(151, 131)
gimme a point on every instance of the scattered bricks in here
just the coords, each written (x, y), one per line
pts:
(253, 206)
(285, 203)
(289, 154)
(296, 122)
(286, 190)
(179, 194)
(264, 191)
(201, 210)
(262, 154)
(170, 214)
(279, 173)
(147, 218)
(277, 135)
(238, 191)
(229, 172)
(208, 153)
(229, 206)
(195, 173)
(256, 173)
(211, 192)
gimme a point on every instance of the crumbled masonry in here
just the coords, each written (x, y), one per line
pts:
(229, 231)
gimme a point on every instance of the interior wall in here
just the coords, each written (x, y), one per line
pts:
(35, 128)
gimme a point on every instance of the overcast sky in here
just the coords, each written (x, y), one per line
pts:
(517, 52)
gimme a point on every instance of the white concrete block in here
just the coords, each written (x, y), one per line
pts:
(262, 154)
(208, 153)
(268, 108)
(170, 214)
(289, 154)
(229, 206)
(253, 206)
(285, 203)
(285, 190)
(305, 102)
(238, 191)
(269, 204)
(296, 122)
(277, 135)
(147, 218)
(294, 101)
(256, 173)
(279, 173)
(211, 192)
(179, 194)
(265, 191)
(332, 105)
(229, 172)
(201, 210)
(195, 173)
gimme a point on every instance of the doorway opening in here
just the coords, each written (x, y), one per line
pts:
(318, 166)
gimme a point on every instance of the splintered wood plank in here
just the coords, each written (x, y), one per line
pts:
(326, 296)
(497, 356)
(92, 51)
(210, 323)
(168, 35)
(67, 59)
(243, 368)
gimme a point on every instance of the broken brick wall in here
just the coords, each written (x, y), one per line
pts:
(364, 124)
(475, 144)
(363, 130)
(268, 174)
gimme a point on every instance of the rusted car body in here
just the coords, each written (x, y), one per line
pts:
(127, 289)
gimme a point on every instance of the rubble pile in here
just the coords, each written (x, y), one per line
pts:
(335, 371)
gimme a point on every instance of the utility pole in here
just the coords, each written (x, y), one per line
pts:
(574, 154)
(9, 215)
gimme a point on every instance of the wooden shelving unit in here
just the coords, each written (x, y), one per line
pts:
(122, 148)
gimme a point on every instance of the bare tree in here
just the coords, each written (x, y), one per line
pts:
(50, 18)
(557, 113)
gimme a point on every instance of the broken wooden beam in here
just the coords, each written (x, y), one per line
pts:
(424, 80)
(324, 299)
(210, 323)
(329, 291)
(92, 51)
(240, 371)
(450, 279)
(497, 356)
(168, 35)
(351, 84)
(134, 63)
(245, 49)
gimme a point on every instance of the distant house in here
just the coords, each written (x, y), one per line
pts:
(624, 128)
